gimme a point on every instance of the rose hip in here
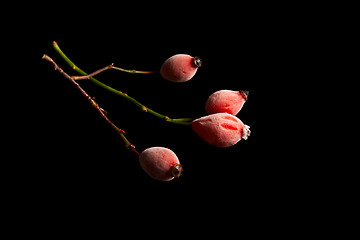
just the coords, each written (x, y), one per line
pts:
(160, 163)
(180, 67)
(226, 101)
(221, 129)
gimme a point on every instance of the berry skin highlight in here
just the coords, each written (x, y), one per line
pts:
(180, 68)
(160, 163)
(221, 129)
(226, 101)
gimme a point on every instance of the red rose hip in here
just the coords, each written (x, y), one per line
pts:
(180, 68)
(226, 101)
(221, 129)
(160, 163)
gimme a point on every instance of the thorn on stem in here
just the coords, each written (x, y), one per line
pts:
(144, 109)
(131, 147)
(104, 111)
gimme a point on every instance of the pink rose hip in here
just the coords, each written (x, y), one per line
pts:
(160, 163)
(226, 101)
(221, 129)
(180, 68)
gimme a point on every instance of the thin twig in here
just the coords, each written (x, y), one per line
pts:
(111, 66)
(134, 71)
(93, 74)
(121, 132)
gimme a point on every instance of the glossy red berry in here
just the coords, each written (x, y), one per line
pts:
(160, 163)
(180, 67)
(221, 129)
(226, 101)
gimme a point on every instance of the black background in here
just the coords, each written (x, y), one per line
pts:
(75, 160)
(65, 170)
(84, 141)
(85, 154)
(83, 146)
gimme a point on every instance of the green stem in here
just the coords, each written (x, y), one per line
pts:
(182, 121)
(134, 71)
